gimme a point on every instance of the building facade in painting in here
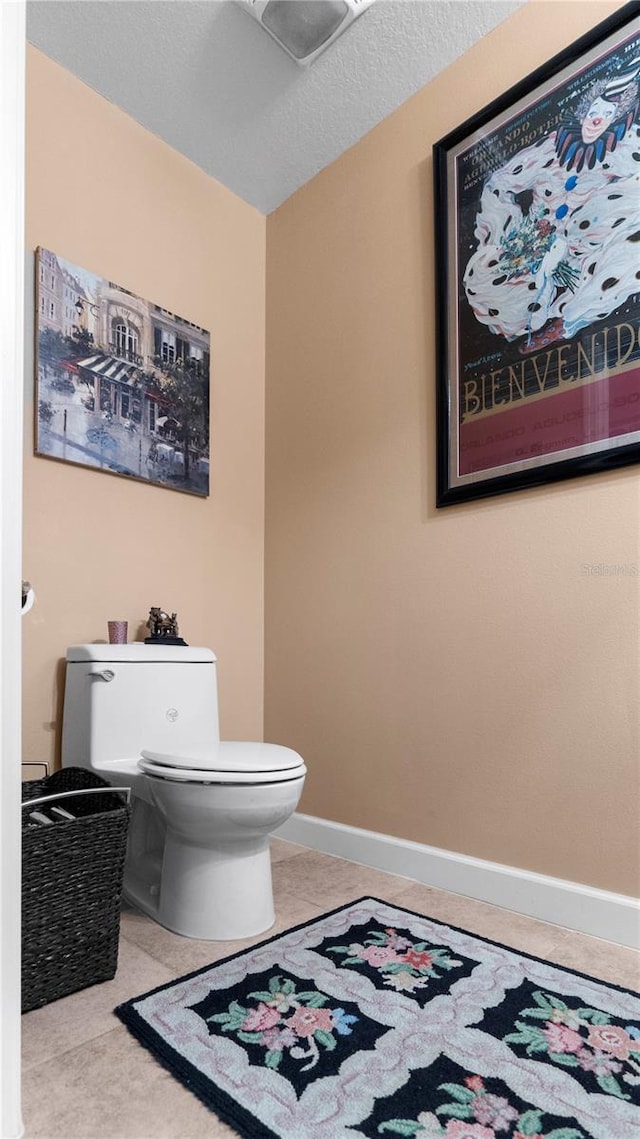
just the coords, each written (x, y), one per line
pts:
(139, 373)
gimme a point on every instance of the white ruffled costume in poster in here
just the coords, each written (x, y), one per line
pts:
(558, 230)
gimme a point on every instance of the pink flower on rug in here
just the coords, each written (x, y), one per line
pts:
(260, 1018)
(495, 1111)
(306, 1021)
(474, 1083)
(275, 1039)
(419, 960)
(610, 1038)
(457, 1129)
(562, 1039)
(378, 955)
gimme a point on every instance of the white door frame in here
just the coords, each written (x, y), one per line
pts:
(12, 252)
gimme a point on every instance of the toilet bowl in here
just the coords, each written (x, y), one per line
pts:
(146, 717)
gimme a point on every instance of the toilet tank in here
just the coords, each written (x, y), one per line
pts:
(120, 699)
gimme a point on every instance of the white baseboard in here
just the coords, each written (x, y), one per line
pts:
(600, 913)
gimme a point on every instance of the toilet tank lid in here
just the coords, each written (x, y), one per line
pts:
(138, 651)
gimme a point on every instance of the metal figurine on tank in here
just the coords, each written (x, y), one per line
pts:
(163, 629)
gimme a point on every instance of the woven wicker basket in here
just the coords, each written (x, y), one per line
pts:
(71, 886)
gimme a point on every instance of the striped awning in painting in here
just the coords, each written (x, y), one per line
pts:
(109, 368)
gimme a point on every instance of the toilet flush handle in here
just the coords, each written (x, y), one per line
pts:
(102, 674)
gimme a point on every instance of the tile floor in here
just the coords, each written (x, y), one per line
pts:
(84, 1077)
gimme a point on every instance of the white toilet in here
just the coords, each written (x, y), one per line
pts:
(146, 717)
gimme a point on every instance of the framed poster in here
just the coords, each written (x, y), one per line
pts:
(122, 385)
(537, 212)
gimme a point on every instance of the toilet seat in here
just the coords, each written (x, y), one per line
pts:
(229, 761)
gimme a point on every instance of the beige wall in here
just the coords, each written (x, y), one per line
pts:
(452, 677)
(112, 198)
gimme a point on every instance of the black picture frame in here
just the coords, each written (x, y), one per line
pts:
(537, 227)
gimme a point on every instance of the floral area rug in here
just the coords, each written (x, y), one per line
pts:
(374, 1021)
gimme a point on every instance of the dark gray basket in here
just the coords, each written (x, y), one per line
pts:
(71, 885)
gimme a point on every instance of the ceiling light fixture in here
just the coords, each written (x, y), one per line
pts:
(305, 28)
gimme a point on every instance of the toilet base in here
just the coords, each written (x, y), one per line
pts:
(236, 887)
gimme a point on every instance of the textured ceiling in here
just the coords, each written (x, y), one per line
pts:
(208, 79)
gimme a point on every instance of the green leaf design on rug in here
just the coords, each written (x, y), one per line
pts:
(463, 1095)
(594, 1015)
(564, 1133)
(530, 1122)
(529, 1035)
(231, 1020)
(402, 1126)
(610, 1084)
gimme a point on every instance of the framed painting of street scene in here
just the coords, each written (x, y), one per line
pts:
(537, 217)
(122, 385)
